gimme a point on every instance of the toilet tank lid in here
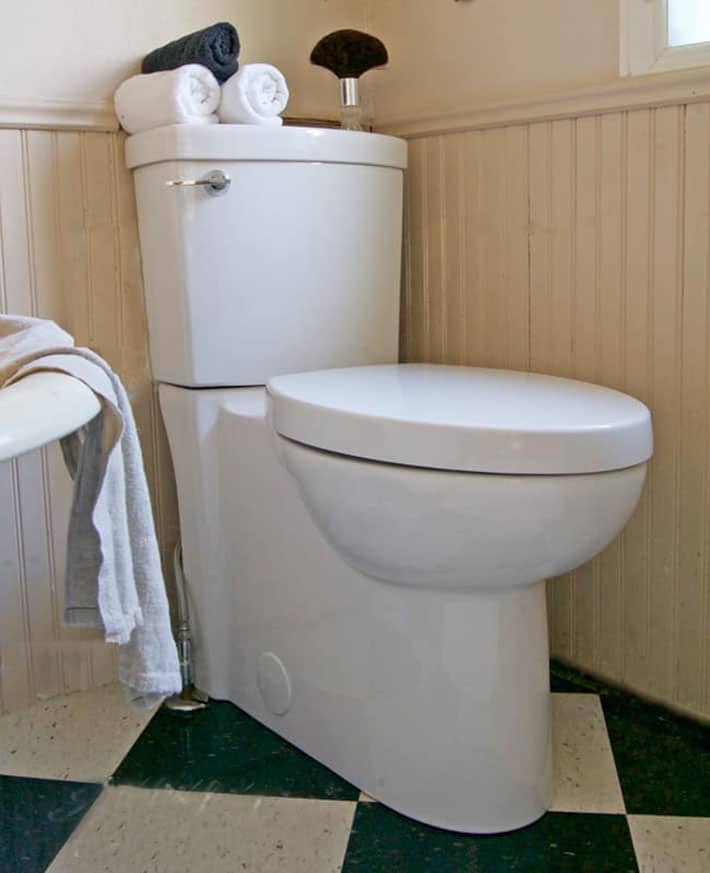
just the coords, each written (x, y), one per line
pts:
(463, 418)
(245, 142)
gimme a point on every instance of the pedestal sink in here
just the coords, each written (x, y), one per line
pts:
(40, 408)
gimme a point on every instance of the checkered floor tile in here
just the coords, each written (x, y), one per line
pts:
(219, 793)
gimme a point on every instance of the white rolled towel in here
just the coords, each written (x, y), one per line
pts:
(186, 95)
(257, 94)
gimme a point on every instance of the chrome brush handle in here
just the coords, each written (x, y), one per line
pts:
(215, 183)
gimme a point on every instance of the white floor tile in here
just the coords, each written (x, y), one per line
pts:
(667, 844)
(81, 736)
(584, 773)
(132, 829)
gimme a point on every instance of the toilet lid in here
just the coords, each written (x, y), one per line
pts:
(463, 418)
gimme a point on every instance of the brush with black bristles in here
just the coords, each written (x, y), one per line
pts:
(349, 54)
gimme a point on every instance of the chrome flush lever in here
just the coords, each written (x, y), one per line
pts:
(215, 183)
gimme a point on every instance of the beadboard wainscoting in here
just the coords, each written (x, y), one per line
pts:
(68, 251)
(578, 246)
(581, 247)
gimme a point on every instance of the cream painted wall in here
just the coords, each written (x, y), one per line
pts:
(79, 50)
(448, 56)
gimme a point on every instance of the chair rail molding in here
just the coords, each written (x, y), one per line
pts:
(678, 87)
(57, 115)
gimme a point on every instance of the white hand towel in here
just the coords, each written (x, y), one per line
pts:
(186, 95)
(257, 94)
(113, 579)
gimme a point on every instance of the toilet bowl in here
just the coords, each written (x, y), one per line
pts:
(365, 543)
(461, 477)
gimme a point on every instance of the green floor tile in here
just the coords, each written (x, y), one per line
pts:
(384, 842)
(222, 749)
(663, 761)
(36, 818)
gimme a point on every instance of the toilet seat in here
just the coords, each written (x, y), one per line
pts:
(463, 419)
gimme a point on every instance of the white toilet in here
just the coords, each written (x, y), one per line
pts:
(365, 543)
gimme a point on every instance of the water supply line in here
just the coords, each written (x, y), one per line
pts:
(190, 698)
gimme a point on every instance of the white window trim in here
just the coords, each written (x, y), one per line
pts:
(644, 41)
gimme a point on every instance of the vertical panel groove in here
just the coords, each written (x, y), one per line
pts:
(31, 308)
(462, 296)
(442, 278)
(598, 169)
(623, 285)
(529, 220)
(3, 278)
(572, 621)
(117, 242)
(680, 306)
(705, 565)
(91, 336)
(424, 342)
(27, 191)
(650, 362)
(406, 301)
(49, 515)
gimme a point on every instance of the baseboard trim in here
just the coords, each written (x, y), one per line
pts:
(600, 678)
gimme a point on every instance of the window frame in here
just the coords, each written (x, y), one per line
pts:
(644, 44)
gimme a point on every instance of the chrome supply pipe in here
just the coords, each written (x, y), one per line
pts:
(190, 698)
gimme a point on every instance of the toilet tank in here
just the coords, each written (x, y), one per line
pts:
(296, 266)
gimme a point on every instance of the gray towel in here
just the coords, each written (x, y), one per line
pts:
(113, 578)
(215, 47)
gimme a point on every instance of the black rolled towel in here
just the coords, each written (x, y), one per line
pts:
(215, 47)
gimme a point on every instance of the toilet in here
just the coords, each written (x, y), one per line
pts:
(365, 543)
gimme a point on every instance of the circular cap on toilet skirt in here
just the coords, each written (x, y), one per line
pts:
(463, 418)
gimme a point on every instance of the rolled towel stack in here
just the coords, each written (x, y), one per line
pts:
(257, 94)
(189, 94)
(180, 84)
(215, 47)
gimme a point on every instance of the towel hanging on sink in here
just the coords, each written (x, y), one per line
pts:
(113, 577)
